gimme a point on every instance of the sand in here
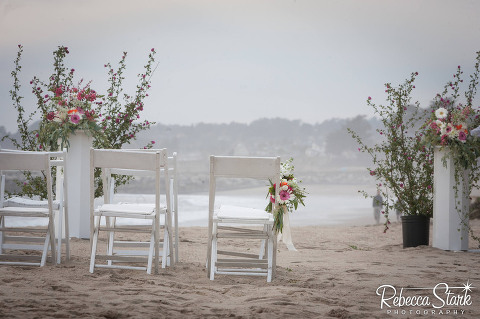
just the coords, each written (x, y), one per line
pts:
(334, 274)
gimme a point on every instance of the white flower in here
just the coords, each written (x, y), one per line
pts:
(62, 114)
(451, 131)
(280, 201)
(441, 113)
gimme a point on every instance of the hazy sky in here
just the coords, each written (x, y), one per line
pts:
(237, 60)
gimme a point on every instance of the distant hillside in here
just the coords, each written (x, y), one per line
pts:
(323, 152)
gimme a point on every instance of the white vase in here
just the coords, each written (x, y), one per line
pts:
(450, 205)
(78, 184)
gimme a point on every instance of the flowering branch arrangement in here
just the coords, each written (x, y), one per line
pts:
(289, 196)
(402, 163)
(66, 107)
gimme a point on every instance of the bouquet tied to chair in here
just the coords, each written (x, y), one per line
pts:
(289, 196)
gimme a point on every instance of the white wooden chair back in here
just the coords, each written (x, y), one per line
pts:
(260, 168)
(33, 162)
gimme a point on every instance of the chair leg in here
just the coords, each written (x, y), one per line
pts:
(94, 243)
(151, 249)
(156, 241)
(67, 234)
(270, 259)
(51, 234)
(168, 230)
(59, 235)
(166, 250)
(213, 259)
(45, 250)
(110, 222)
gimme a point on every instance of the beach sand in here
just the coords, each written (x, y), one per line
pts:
(334, 274)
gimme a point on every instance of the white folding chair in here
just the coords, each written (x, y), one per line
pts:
(133, 163)
(60, 203)
(227, 222)
(172, 173)
(34, 162)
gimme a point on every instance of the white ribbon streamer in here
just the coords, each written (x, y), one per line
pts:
(286, 236)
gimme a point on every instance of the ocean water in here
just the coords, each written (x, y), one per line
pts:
(322, 210)
(319, 209)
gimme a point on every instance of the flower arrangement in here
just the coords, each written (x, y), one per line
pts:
(289, 196)
(455, 127)
(69, 109)
(112, 120)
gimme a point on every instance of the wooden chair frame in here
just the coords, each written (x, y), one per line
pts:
(138, 163)
(60, 202)
(28, 161)
(219, 226)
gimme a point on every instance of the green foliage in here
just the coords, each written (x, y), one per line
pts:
(402, 163)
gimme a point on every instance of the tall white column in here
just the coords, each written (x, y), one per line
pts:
(449, 225)
(78, 184)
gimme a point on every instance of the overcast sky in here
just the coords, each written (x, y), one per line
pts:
(238, 60)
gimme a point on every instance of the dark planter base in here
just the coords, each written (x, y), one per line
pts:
(416, 230)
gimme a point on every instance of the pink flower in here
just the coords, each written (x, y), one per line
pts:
(58, 91)
(51, 116)
(284, 195)
(75, 118)
(272, 199)
(153, 142)
(462, 136)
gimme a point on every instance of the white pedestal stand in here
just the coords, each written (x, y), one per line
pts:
(449, 225)
(78, 184)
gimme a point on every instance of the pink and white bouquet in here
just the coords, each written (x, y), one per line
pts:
(69, 109)
(289, 196)
(450, 126)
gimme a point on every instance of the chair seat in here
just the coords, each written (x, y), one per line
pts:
(28, 202)
(242, 213)
(24, 211)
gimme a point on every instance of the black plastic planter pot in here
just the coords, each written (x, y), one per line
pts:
(415, 230)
